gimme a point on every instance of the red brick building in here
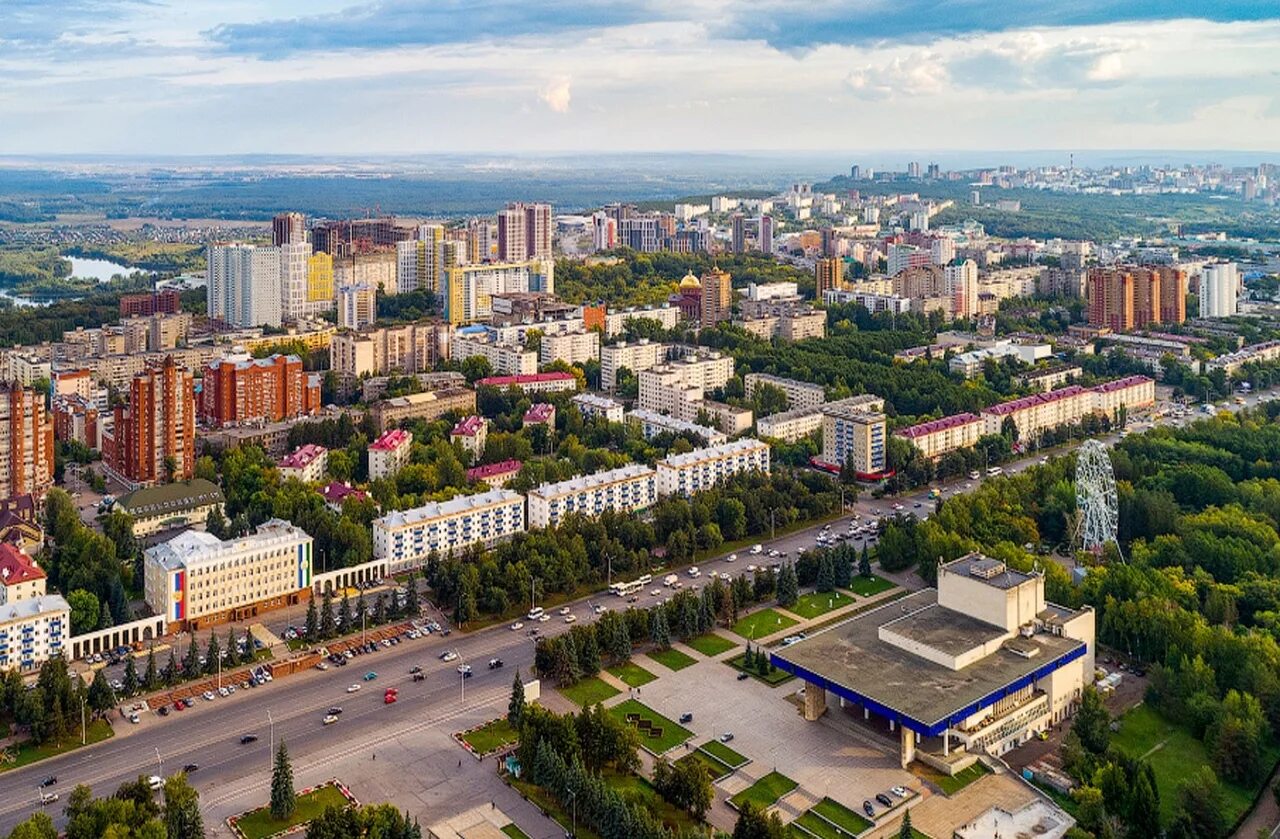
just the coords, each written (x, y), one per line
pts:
(155, 430)
(26, 442)
(240, 390)
(166, 301)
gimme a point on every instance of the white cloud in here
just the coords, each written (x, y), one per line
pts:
(555, 94)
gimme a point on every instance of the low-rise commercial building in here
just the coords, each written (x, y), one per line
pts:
(702, 469)
(389, 413)
(406, 537)
(305, 463)
(170, 506)
(626, 490)
(389, 453)
(970, 364)
(591, 405)
(197, 580)
(980, 664)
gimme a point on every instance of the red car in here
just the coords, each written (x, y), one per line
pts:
(390, 696)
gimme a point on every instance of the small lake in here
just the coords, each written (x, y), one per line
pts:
(101, 270)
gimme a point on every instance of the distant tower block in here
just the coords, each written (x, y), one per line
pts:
(1096, 496)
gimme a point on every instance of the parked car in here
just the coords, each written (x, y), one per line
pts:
(742, 677)
(248, 738)
(517, 626)
(884, 799)
(49, 781)
(901, 792)
(686, 717)
(134, 718)
(190, 767)
(726, 737)
(495, 663)
(155, 782)
(464, 669)
(868, 809)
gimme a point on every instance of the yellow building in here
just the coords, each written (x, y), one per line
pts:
(320, 278)
(717, 296)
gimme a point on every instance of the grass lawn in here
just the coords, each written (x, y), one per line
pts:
(640, 792)
(491, 736)
(775, 677)
(815, 826)
(715, 768)
(26, 753)
(848, 820)
(950, 784)
(632, 674)
(724, 754)
(514, 832)
(868, 586)
(589, 691)
(765, 792)
(663, 734)
(257, 824)
(711, 644)
(672, 659)
(1175, 754)
(546, 802)
(819, 603)
(762, 623)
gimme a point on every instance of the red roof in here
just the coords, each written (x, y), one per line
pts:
(924, 428)
(491, 470)
(1034, 400)
(541, 412)
(1121, 384)
(468, 426)
(392, 440)
(302, 456)
(526, 379)
(336, 492)
(16, 567)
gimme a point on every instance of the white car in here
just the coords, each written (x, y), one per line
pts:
(353, 688)
(464, 668)
(564, 610)
(517, 626)
(155, 782)
(449, 655)
(655, 592)
(544, 617)
(751, 569)
(731, 558)
(330, 719)
(570, 618)
(135, 719)
(601, 609)
(208, 696)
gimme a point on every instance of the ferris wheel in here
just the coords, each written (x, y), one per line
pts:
(1096, 497)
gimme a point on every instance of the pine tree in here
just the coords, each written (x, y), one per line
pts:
(212, 655)
(233, 656)
(182, 819)
(149, 678)
(411, 598)
(312, 626)
(515, 708)
(362, 611)
(170, 673)
(864, 563)
(327, 629)
(284, 799)
(905, 831)
(191, 661)
(344, 613)
(380, 609)
(826, 574)
(788, 586)
(659, 632)
(130, 676)
(748, 658)
(247, 656)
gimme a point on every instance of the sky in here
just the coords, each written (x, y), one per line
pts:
(357, 77)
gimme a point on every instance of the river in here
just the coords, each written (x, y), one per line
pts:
(101, 270)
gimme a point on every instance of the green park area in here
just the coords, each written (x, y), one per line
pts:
(632, 674)
(26, 753)
(817, 603)
(589, 691)
(950, 784)
(773, 678)
(258, 824)
(762, 623)
(841, 816)
(724, 754)
(1175, 754)
(672, 659)
(657, 733)
(711, 644)
(765, 792)
(869, 586)
(491, 736)
(514, 832)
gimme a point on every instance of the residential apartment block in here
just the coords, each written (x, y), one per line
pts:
(389, 453)
(937, 437)
(197, 580)
(410, 348)
(701, 469)
(431, 405)
(243, 284)
(651, 424)
(570, 347)
(305, 463)
(34, 626)
(799, 394)
(238, 390)
(154, 434)
(626, 490)
(405, 537)
(504, 359)
(591, 405)
(26, 442)
(635, 356)
(471, 433)
(665, 315)
(1131, 297)
(851, 435)
(533, 383)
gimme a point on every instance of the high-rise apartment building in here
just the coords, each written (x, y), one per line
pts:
(467, 290)
(1173, 293)
(1133, 297)
(604, 232)
(344, 238)
(405, 349)
(1110, 296)
(739, 235)
(244, 284)
(357, 305)
(26, 442)
(829, 273)
(960, 283)
(295, 260)
(153, 436)
(524, 232)
(1219, 290)
(239, 390)
(717, 296)
(320, 295)
(288, 229)
(765, 228)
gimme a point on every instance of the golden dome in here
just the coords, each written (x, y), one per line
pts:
(690, 281)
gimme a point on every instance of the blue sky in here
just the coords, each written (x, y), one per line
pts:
(402, 76)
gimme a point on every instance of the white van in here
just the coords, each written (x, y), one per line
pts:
(670, 580)
(694, 572)
(755, 549)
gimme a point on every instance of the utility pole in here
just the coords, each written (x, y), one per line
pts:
(159, 762)
(82, 728)
(272, 725)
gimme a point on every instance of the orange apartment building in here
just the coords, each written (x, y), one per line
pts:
(240, 390)
(26, 442)
(1129, 297)
(157, 424)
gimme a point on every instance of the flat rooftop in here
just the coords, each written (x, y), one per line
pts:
(852, 661)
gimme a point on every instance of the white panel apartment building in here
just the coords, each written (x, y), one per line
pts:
(651, 424)
(799, 394)
(672, 388)
(404, 538)
(590, 405)
(1219, 290)
(570, 347)
(615, 323)
(636, 357)
(701, 469)
(629, 489)
(797, 423)
(505, 359)
(244, 284)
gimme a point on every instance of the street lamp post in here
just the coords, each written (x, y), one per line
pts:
(271, 724)
(573, 794)
(462, 680)
(159, 762)
(82, 728)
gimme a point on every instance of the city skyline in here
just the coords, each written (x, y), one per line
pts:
(402, 76)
